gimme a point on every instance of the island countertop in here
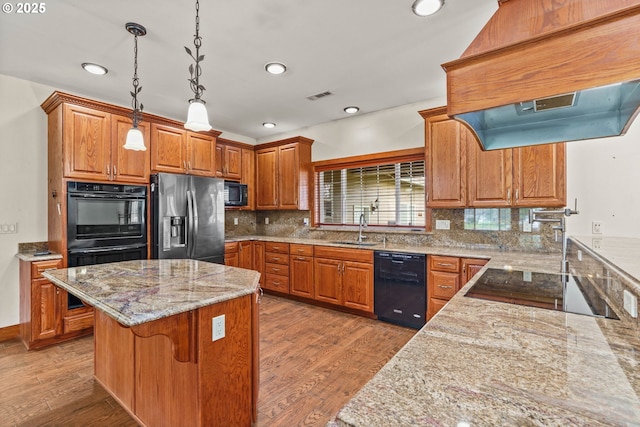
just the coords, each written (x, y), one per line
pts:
(485, 363)
(136, 292)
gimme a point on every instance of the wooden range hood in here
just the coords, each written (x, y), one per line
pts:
(537, 49)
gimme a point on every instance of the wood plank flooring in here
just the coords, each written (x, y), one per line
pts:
(312, 361)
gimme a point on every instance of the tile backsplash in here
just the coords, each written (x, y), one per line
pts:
(291, 224)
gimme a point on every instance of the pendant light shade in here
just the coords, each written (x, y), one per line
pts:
(427, 7)
(197, 117)
(135, 140)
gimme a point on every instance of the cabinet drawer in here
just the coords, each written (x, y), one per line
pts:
(78, 322)
(276, 258)
(304, 250)
(39, 267)
(231, 247)
(281, 248)
(444, 285)
(276, 282)
(280, 269)
(344, 254)
(445, 263)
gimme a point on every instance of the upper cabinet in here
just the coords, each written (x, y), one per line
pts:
(86, 141)
(460, 174)
(176, 150)
(283, 174)
(228, 160)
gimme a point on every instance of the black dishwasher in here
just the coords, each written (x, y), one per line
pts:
(400, 288)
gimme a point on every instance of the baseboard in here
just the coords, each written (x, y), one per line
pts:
(9, 332)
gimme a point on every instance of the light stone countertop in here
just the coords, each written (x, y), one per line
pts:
(31, 256)
(484, 363)
(135, 292)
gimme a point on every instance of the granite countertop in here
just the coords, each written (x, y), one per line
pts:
(135, 292)
(31, 256)
(484, 363)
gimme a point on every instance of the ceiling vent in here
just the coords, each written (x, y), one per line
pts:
(319, 95)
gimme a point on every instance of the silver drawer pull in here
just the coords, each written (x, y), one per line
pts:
(276, 258)
(445, 287)
(444, 264)
(275, 269)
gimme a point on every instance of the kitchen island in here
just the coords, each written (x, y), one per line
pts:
(155, 351)
(486, 363)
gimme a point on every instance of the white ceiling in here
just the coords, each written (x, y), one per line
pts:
(375, 54)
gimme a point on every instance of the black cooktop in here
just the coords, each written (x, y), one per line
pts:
(562, 292)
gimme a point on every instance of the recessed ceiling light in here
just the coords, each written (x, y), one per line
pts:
(351, 110)
(275, 68)
(269, 125)
(427, 7)
(96, 69)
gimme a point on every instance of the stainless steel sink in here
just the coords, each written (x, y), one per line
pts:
(351, 242)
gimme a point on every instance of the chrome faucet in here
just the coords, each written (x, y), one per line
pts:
(363, 223)
(558, 228)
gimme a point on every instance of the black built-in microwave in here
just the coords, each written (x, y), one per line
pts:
(235, 194)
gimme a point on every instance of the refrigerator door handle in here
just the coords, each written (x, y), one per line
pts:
(194, 225)
(190, 220)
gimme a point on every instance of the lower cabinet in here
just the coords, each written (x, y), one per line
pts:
(301, 270)
(446, 275)
(44, 317)
(257, 249)
(231, 257)
(344, 277)
(276, 267)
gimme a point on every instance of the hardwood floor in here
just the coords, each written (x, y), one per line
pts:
(312, 360)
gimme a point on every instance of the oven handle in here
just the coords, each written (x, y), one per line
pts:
(105, 249)
(105, 196)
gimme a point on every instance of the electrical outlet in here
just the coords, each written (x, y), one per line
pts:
(305, 221)
(443, 224)
(9, 228)
(596, 243)
(235, 221)
(217, 324)
(596, 227)
(266, 220)
(526, 227)
(631, 303)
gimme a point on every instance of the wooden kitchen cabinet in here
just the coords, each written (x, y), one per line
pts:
(245, 257)
(344, 277)
(283, 174)
(445, 155)
(446, 275)
(228, 160)
(249, 177)
(276, 267)
(301, 270)
(231, 257)
(176, 150)
(127, 165)
(519, 177)
(44, 318)
(258, 259)
(460, 174)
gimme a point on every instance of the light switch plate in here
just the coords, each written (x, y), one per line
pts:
(266, 220)
(631, 303)
(235, 221)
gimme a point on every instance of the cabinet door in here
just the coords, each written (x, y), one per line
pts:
(539, 175)
(357, 283)
(201, 151)
(301, 276)
(434, 306)
(44, 309)
(489, 176)
(232, 162)
(445, 145)
(288, 170)
(245, 257)
(267, 178)
(258, 259)
(470, 266)
(168, 149)
(219, 160)
(249, 177)
(327, 280)
(128, 165)
(86, 143)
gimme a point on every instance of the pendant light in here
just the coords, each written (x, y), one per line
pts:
(135, 140)
(427, 7)
(197, 117)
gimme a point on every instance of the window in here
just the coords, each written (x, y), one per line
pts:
(388, 192)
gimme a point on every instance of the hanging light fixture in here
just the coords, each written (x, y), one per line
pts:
(135, 140)
(197, 117)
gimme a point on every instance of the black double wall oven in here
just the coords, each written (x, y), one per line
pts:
(105, 223)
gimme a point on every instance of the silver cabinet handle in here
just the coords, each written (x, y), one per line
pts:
(115, 171)
(108, 171)
(445, 287)
(509, 194)
(516, 194)
(445, 264)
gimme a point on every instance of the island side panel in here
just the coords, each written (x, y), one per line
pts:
(114, 359)
(226, 365)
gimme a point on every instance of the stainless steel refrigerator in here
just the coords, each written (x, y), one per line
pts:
(187, 217)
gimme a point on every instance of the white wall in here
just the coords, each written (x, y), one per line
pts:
(23, 181)
(604, 175)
